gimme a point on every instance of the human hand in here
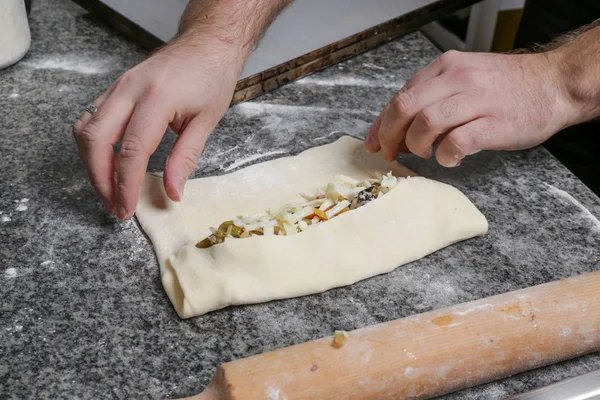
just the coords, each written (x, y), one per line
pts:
(187, 85)
(468, 102)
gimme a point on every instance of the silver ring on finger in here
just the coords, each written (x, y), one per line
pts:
(92, 109)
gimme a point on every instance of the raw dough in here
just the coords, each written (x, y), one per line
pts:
(416, 218)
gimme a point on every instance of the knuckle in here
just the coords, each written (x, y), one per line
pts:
(76, 128)
(100, 185)
(449, 57)
(87, 135)
(189, 157)
(126, 79)
(449, 108)
(472, 78)
(153, 91)
(122, 183)
(402, 102)
(131, 146)
(430, 118)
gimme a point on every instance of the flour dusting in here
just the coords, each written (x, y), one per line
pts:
(471, 309)
(586, 213)
(274, 394)
(369, 65)
(254, 157)
(252, 109)
(13, 95)
(71, 63)
(350, 81)
(10, 272)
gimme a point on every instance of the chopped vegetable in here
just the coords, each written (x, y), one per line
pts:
(336, 198)
(321, 214)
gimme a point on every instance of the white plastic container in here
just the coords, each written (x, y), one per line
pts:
(15, 38)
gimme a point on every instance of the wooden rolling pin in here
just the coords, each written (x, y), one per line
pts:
(428, 354)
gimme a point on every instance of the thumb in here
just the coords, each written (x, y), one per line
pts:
(184, 157)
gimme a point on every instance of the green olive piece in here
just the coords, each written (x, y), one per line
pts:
(236, 231)
(222, 231)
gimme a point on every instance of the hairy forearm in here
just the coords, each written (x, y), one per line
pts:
(577, 58)
(236, 23)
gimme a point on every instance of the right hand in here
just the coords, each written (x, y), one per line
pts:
(187, 85)
(468, 102)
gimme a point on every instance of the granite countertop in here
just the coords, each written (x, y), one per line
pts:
(82, 310)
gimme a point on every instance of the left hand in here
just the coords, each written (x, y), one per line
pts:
(186, 85)
(468, 102)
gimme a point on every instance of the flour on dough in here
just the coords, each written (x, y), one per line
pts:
(416, 218)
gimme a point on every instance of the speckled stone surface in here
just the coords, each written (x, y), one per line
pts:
(82, 310)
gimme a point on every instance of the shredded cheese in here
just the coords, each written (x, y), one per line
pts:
(343, 195)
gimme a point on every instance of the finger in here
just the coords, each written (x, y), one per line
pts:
(95, 143)
(404, 107)
(184, 157)
(372, 140)
(85, 116)
(437, 119)
(142, 136)
(429, 72)
(465, 140)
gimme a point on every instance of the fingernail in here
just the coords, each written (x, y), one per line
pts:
(450, 153)
(369, 144)
(122, 212)
(427, 154)
(109, 207)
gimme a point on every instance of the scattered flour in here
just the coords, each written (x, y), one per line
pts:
(568, 197)
(350, 81)
(21, 204)
(274, 394)
(471, 309)
(247, 160)
(10, 272)
(369, 65)
(70, 63)
(252, 109)
(13, 95)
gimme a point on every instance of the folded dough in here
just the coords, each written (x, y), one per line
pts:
(416, 218)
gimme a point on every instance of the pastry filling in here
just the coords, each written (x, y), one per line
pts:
(343, 195)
